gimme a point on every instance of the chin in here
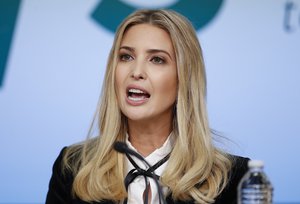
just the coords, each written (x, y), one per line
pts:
(136, 116)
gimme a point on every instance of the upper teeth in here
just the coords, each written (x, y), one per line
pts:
(135, 91)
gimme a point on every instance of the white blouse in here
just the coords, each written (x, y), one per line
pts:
(137, 187)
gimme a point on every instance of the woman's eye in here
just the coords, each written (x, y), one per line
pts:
(158, 60)
(125, 57)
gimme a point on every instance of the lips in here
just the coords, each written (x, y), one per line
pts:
(137, 95)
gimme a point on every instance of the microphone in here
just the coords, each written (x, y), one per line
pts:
(122, 147)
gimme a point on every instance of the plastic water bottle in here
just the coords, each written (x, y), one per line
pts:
(255, 187)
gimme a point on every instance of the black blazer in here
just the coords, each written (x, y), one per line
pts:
(60, 185)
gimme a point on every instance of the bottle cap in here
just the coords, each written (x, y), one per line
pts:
(255, 163)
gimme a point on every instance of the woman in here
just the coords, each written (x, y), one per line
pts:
(153, 100)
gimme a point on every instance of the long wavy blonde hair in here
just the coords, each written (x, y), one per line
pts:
(196, 168)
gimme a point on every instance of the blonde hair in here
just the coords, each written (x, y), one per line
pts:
(196, 168)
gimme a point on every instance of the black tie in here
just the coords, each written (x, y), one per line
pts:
(137, 171)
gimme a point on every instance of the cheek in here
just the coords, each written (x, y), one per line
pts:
(173, 87)
(119, 77)
(173, 90)
(168, 87)
(119, 81)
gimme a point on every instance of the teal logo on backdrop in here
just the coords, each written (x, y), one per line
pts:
(8, 14)
(110, 13)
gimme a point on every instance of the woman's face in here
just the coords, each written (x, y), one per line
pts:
(146, 75)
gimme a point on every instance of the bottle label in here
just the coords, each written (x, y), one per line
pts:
(256, 196)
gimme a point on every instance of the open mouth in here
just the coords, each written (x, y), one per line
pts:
(135, 94)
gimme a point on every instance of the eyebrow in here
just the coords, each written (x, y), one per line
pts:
(151, 51)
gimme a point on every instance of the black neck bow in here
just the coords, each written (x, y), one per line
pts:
(137, 171)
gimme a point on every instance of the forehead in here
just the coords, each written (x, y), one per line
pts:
(147, 36)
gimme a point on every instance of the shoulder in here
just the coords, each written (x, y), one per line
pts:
(60, 183)
(229, 194)
(238, 169)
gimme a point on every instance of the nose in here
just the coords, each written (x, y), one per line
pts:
(138, 71)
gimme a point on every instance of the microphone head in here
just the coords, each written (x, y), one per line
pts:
(121, 147)
(124, 149)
